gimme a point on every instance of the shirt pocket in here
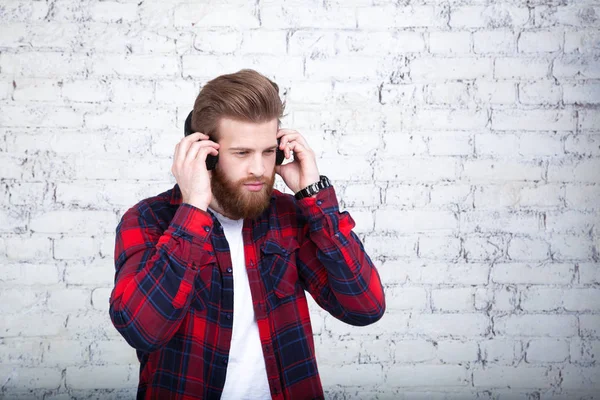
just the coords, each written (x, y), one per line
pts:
(203, 285)
(279, 259)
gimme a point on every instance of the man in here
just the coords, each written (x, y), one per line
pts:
(211, 275)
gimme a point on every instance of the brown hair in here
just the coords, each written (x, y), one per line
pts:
(245, 96)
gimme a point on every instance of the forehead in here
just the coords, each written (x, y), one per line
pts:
(235, 133)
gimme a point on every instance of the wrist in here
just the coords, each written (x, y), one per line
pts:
(202, 204)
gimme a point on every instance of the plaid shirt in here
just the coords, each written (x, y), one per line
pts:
(173, 294)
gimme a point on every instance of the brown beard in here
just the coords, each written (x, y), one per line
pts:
(235, 201)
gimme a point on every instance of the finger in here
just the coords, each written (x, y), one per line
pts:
(195, 147)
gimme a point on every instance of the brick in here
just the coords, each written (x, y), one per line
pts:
(571, 221)
(69, 299)
(112, 352)
(566, 15)
(540, 92)
(33, 324)
(441, 325)
(406, 195)
(584, 299)
(414, 351)
(362, 194)
(588, 119)
(449, 42)
(497, 41)
(528, 249)
(23, 273)
(531, 273)
(275, 67)
(580, 378)
(401, 17)
(442, 194)
(312, 43)
(129, 91)
(134, 65)
(22, 300)
(501, 221)
(63, 352)
(439, 247)
(521, 68)
(586, 93)
(584, 351)
(42, 64)
(28, 193)
(263, 42)
(98, 273)
(485, 248)
(354, 374)
(536, 325)
(100, 377)
(41, 116)
(540, 41)
(589, 325)
(30, 378)
(541, 351)
(584, 171)
(571, 247)
(576, 67)
(519, 195)
(387, 42)
(112, 11)
(344, 67)
(390, 246)
(20, 352)
(500, 351)
(415, 221)
(494, 16)
(173, 91)
(13, 35)
(37, 89)
(57, 36)
(457, 351)
(582, 41)
(542, 299)
(512, 377)
(30, 247)
(589, 273)
(489, 171)
(361, 145)
(73, 221)
(222, 15)
(415, 169)
(503, 299)
(454, 299)
(427, 375)
(402, 94)
(428, 70)
(132, 117)
(455, 93)
(536, 120)
(406, 298)
(494, 92)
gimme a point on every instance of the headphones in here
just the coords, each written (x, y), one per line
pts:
(211, 160)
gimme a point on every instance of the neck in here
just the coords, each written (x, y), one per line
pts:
(214, 205)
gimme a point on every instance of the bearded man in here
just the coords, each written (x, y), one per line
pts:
(211, 275)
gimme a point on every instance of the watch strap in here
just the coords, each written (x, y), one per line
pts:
(314, 188)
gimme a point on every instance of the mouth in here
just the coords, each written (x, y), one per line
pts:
(254, 186)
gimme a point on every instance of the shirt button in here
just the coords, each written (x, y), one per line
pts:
(319, 202)
(229, 270)
(207, 228)
(225, 361)
(228, 316)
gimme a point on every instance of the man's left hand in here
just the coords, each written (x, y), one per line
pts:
(302, 171)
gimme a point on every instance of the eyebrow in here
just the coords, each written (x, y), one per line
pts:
(248, 149)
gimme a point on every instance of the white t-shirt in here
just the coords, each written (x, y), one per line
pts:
(246, 376)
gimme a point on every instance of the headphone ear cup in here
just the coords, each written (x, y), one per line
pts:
(211, 161)
(279, 156)
(187, 127)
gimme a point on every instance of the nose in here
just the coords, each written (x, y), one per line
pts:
(257, 166)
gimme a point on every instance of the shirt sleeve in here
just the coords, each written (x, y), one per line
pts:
(333, 264)
(154, 273)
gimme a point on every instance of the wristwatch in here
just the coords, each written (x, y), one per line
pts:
(314, 188)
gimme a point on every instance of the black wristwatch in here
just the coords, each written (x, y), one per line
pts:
(314, 188)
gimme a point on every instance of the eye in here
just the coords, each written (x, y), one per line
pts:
(270, 151)
(241, 153)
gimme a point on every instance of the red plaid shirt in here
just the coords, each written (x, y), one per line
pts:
(173, 294)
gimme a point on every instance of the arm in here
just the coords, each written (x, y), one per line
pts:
(333, 265)
(154, 276)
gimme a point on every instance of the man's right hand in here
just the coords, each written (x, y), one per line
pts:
(189, 169)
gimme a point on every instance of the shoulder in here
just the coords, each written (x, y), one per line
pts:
(154, 210)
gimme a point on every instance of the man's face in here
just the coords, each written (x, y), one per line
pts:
(242, 181)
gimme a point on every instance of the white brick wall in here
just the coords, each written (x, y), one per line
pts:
(462, 135)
